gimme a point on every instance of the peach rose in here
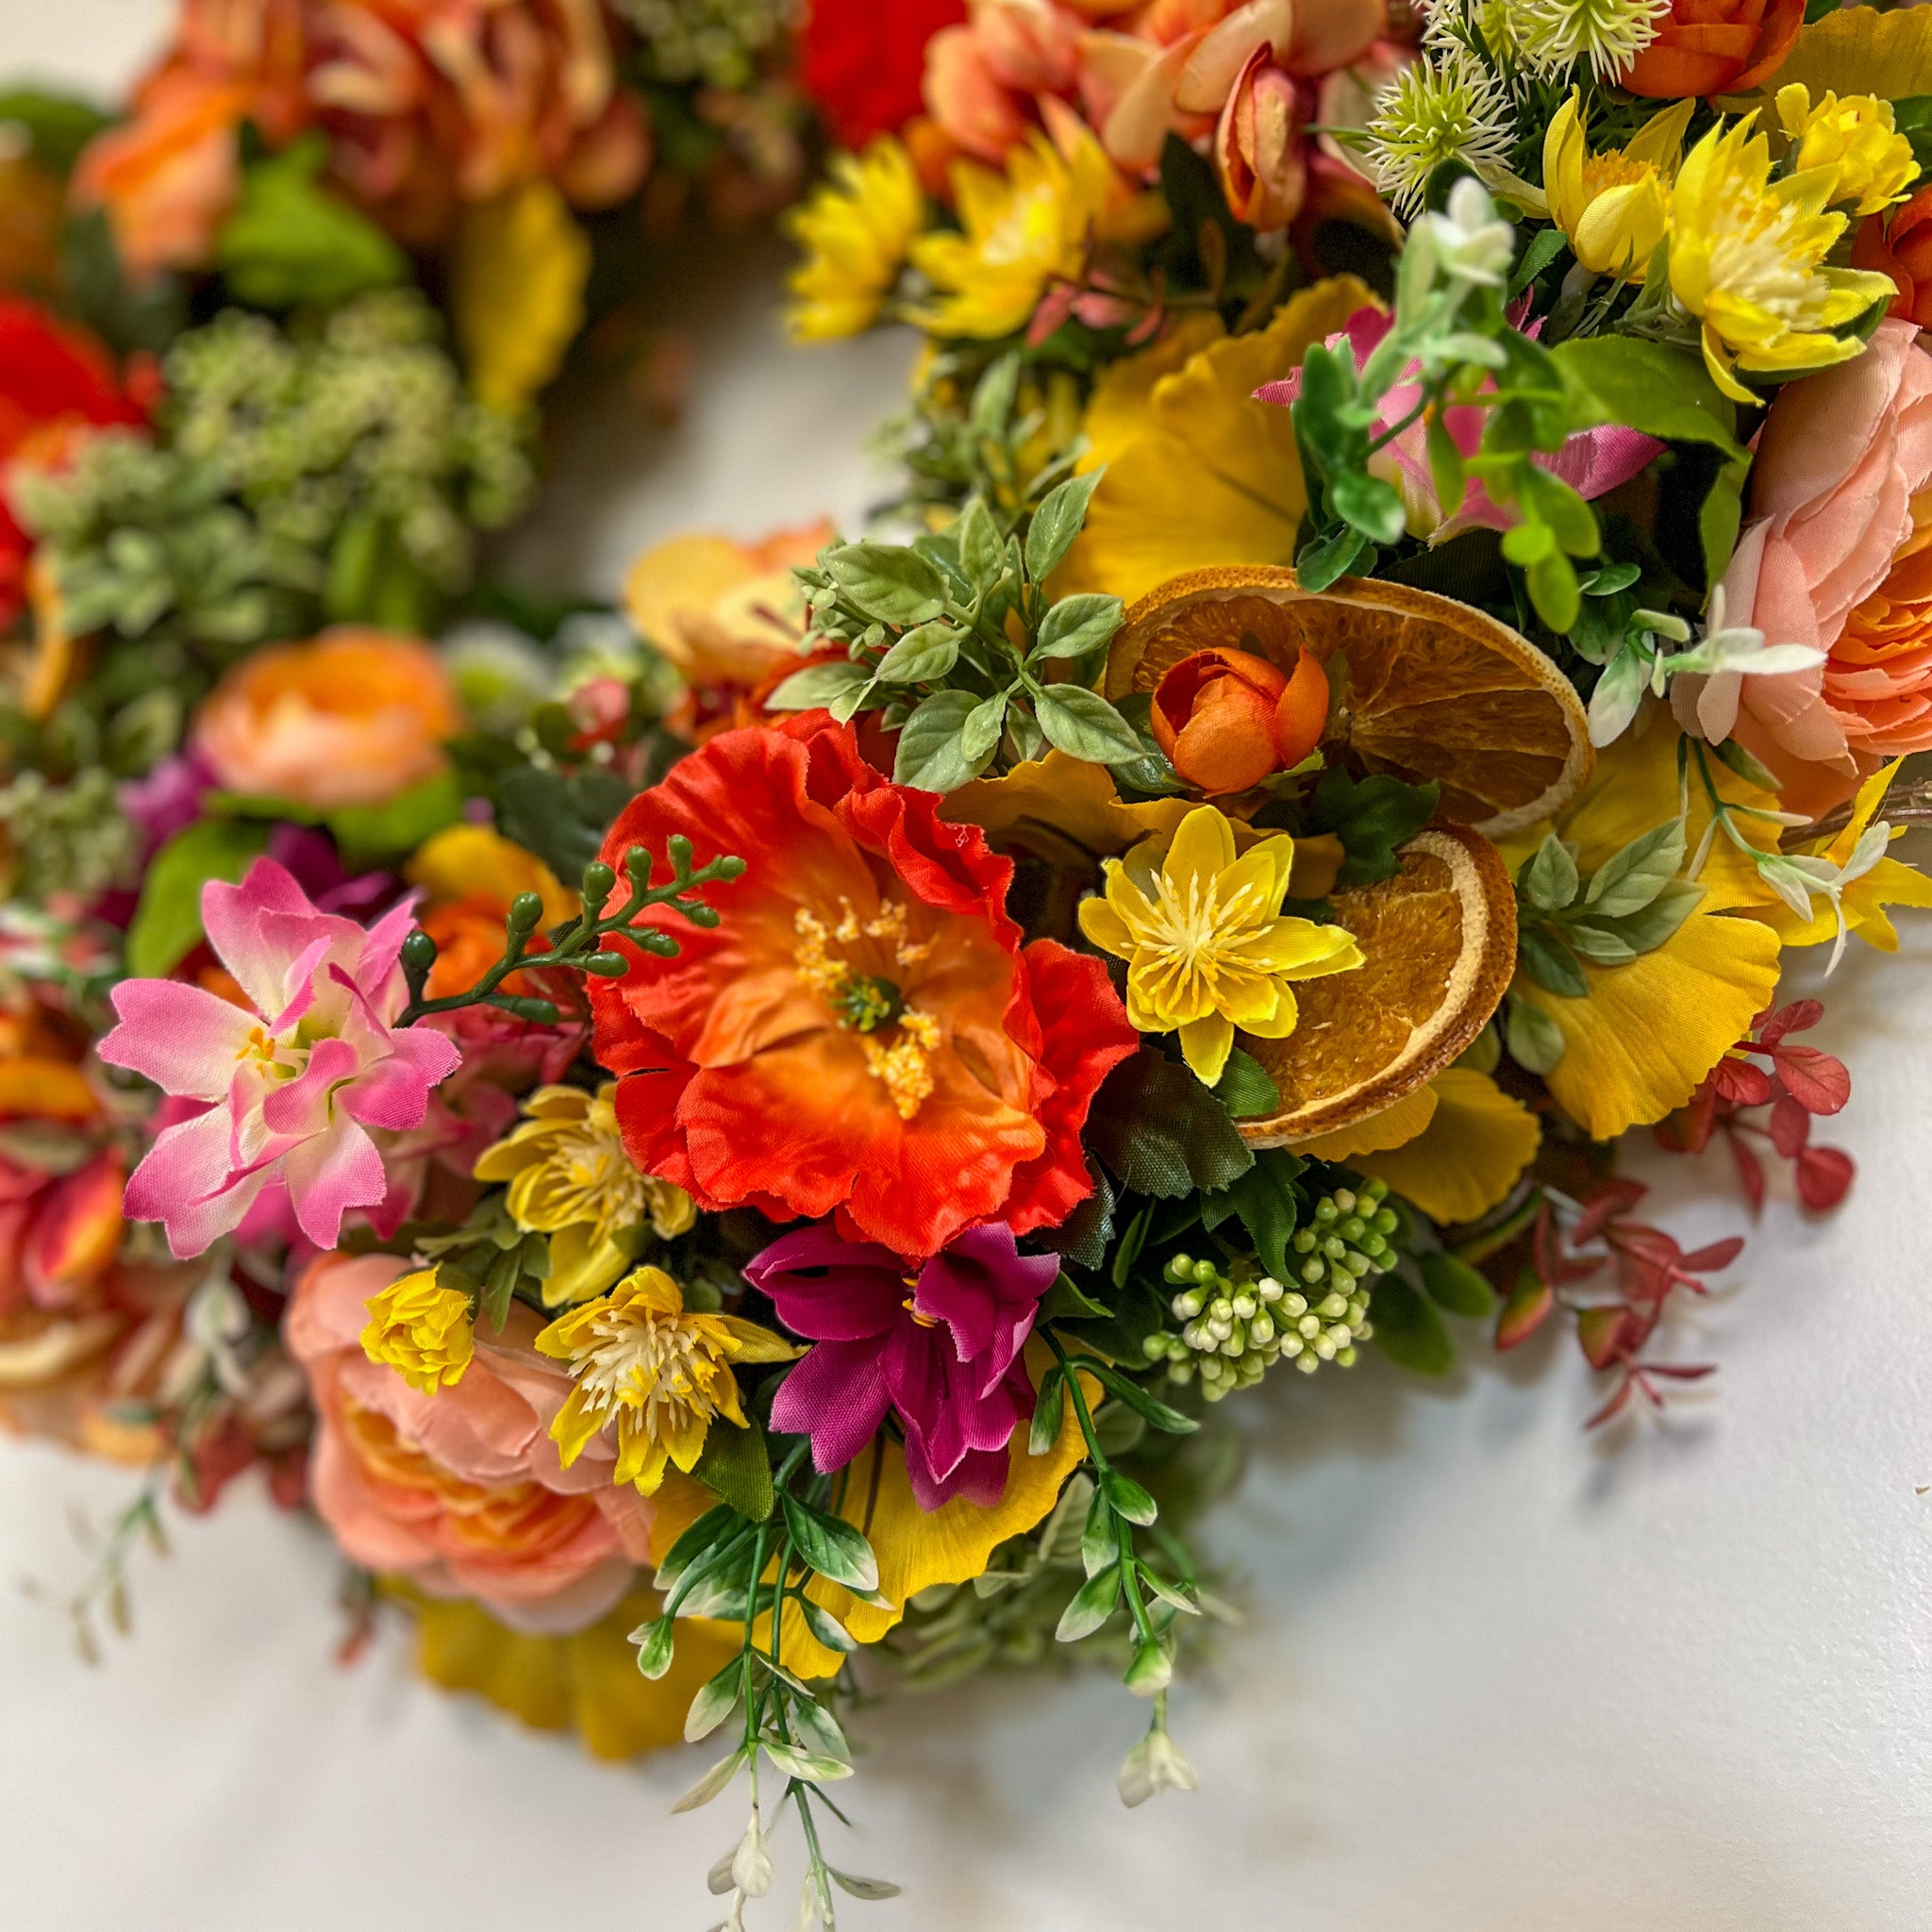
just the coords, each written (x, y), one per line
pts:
(352, 718)
(1839, 461)
(460, 1491)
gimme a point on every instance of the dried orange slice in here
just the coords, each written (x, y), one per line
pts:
(1435, 689)
(1438, 947)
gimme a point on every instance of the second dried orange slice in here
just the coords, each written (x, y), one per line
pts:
(1434, 689)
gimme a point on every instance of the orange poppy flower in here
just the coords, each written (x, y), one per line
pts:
(1707, 47)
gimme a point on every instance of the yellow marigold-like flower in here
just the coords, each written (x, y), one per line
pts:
(423, 1331)
(661, 1374)
(570, 1178)
(1614, 205)
(1207, 948)
(1747, 259)
(1021, 229)
(1858, 137)
(855, 229)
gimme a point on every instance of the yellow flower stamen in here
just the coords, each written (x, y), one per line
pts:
(869, 1005)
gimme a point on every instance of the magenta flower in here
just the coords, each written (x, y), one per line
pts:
(941, 1349)
(289, 1087)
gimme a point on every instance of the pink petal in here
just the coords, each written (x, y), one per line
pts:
(329, 1174)
(233, 918)
(300, 1108)
(837, 1396)
(184, 1040)
(395, 1092)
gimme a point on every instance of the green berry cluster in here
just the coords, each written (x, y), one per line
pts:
(1233, 1328)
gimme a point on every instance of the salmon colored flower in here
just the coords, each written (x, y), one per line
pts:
(1705, 47)
(462, 1490)
(862, 1033)
(1225, 719)
(1900, 245)
(291, 1079)
(352, 718)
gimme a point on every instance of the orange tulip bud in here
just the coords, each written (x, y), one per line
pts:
(77, 1232)
(1225, 719)
(1300, 713)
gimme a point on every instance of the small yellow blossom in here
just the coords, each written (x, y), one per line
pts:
(661, 1374)
(422, 1331)
(1858, 136)
(570, 1178)
(1207, 948)
(517, 292)
(1614, 205)
(855, 229)
(1021, 229)
(1747, 259)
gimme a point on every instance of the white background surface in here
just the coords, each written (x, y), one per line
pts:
(1497, 1678)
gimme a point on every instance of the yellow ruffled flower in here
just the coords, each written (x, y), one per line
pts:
(1858, 137)
(1206, 947)
(1747, 260)
(662, 1375)
(855, 229)
(1614, 205)
(1020, 230)
(473, 862)
(422, 1331)
(570, 1178)
(517, 292)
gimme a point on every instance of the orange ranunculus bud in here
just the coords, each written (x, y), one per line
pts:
(1257, 146)
(1225, 719)
(76, 1232)
(1707, 47)
(1899, 243)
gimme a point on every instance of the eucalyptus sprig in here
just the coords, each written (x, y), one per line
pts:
(580, 944)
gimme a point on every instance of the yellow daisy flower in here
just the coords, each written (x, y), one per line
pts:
(661, 1374)
(855, 229)
(570, 1178)
(1020, 230)
(1747, 260)
(1207, 948)
(422, 1331)
(1613, 204)
(1857, 136)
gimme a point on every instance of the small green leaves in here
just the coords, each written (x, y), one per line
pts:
(1550, 881)
(1535, 1041)
(1455, 1285)
(167, 921)
(930, 753)
(292, 243)
(1082, 724)
(1049, 1411)
(737, 1468)
(922, 656)
(1162, 1132)
(1093, 1602)
(1056, 522)
(1630, 906)
(1245, 1088)
(1372, 817)
(715, 1702)
(1409, 1331)
(656, 1642)
(1366, 504)
(831, 1546)
(818, 685)
(1076, 625)
(1631, 878)
(887, 581)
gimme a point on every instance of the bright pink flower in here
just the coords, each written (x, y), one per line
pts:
(945, 1357)
(291, 1085)
(1593, 463)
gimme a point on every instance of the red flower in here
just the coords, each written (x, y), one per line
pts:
(862, 1032)
(1707, 47)
(1899, 243)
(864, 63)
(53, 379)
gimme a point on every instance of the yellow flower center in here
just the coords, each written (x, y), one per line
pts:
(1192, 932)
(871, 1004)
(669, 1370)
(1611, 169)
(1760, 253)
(583, 1177)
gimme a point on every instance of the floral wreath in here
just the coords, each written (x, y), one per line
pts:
(730, 1151)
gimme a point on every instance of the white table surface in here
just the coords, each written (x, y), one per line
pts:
(1497, 1677)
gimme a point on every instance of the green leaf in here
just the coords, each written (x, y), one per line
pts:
(710, 1529)
(1535, 1041)
(737, 1468)
(166, 921)
(1093, 1605)
(716, 1699)
(872, 1889)
(819, 685)
(1409, 1330)
(1065, 1302)
(830, 1545)
(1247, 1088)
(982, 549)
(887, 581)
(1369, 503)
(1099, 1539)
(1550, 881)
(824, 1627)
(929, 756)
(561, 820)
(656, 1642)
(1552, 580)
(1056, 522)
(1162, 1132)
(292, 243)
(921, 656)
(1265, 1200)
(1544, 248)
(1083, 725)
(401, 824)
(1148, 1406)
(1372, 817)
(1551, 963)
(992, 399)
(1128, 1498)
(1602, 945)
(1334, 555)
(980, 733)
(712, 1784)
(1076, 626)
(1628, 881)
(1643, 932)
(57, 126)
(1049, 1411)
(1456, 1286)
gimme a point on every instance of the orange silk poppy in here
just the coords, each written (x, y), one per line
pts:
(1708, 47)
(862, 1033)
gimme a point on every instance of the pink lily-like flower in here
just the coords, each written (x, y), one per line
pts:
(291, 1085)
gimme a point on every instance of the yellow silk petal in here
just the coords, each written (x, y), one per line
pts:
(517, 292)
(1467, 1157)
(1206, 475)
(1395, 1126)
(1204, 1047)
(1860, 51)
(1650, 1031)
(1203, 848)
(1061, 808)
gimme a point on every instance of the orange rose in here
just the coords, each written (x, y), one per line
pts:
(1878, 678)
(1709, 47)
(353, 718)
(1899, 243)
(1225, 719)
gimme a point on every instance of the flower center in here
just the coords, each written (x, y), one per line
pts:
(870, 1004)
(1613, 169)
(668, 1369)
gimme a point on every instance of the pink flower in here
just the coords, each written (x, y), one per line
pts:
(1838, 460)
(1593, 463)
(460, 1491)
(940, 1349)
(289, 1085)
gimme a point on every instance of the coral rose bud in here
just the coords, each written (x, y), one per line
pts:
(1705, 47)
(1899, 244)
(1257, 147)
(1225, 719)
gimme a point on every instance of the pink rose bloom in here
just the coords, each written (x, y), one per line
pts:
(1593, 463)
(1838, 460)
(460, 1491)
(291, 1084)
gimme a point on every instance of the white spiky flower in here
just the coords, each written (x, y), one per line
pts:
(1450, 106)
(1556, 35)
